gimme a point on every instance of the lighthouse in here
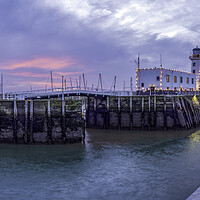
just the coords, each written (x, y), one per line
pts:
(195, 64)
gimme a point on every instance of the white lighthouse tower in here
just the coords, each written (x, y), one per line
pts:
(195, 65)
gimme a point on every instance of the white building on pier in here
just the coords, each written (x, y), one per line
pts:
(170, 79)
(165, 79)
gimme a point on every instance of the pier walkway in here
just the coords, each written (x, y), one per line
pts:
(59, 92)
(81, 91)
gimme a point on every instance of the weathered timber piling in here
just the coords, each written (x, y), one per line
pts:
(142, 112)
(31, 121)
(61, 121)
(48, 121)
(26, 132)
(15, 120)
(41, 121)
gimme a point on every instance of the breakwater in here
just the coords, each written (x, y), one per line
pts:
(41, 121)
(143, 112)
(54, 121)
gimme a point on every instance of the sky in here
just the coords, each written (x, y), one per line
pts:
(72, 37)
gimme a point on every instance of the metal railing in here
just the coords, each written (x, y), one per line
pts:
(90, 91)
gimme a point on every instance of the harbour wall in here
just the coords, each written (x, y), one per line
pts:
(143, 112)
(53, 121)
(41, 121)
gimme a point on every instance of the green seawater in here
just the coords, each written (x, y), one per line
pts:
(110, 165)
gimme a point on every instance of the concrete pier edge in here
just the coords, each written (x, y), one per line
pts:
(195, 195)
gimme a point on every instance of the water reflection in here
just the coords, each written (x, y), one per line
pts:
(114, 137)
(195, 137)
(131, 165)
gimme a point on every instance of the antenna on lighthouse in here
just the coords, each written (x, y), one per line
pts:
(138, 61)
(160, 60)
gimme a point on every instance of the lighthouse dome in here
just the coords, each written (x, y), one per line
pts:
(196, 50)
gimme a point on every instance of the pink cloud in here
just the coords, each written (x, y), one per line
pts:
(43, 63)
(28, 74)
(36, 79)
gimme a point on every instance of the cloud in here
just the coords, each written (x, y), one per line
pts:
(42, 63)
(144, 18)
(35, 71)
(93, 36)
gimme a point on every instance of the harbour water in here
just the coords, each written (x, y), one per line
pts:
(110, 165)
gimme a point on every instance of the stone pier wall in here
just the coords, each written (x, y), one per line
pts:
(56, 121)
(41, 121)
(142, 112)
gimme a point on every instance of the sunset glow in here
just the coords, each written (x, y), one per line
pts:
(76, 37)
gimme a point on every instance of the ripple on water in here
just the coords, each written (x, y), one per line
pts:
(111, 165)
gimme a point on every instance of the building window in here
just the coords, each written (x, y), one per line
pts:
(167, 78)
(175, 79)
(158, 78)
(194, 63)
(181, 79)
(187, 80)
(142, 84)
(193, 71)
(192, 81)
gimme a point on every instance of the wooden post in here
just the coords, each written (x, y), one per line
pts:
(31, 121)
(165, 113)
(119, 113)
(107, 103)
(15, 122)
(181, 114)
(149, 115)
(49, 124)
(95, 103)
(174, 111)
(194, 114)
(187, 114)
(85, 102)
(142, 104)
(154, 109)
(149, 104)
(131, 113)
(27, 137)
(95, 111)
(118, 103)
(190, 112)
(197, 114)
(131, 104)
(107, 117)
(142, 114)
(63, 122)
